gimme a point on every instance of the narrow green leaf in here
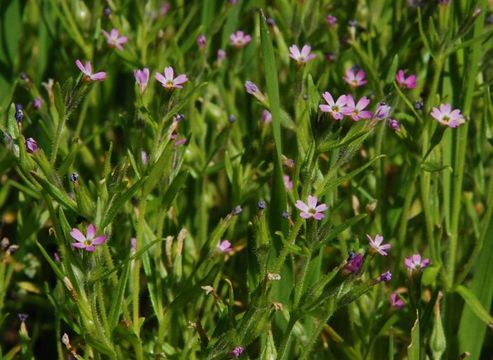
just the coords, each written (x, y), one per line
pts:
(414, 348)
(474, 304)
(56, 193)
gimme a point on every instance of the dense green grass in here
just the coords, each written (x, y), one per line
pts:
(168, 172)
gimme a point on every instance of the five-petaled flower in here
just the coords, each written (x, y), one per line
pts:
(89, 241)
(376, 244)
(114, 39)
(336, 109)
(169, 81)
(355, 77)
(446, 116)
(239, 39)
(356, 111)
(415, 263)
(405, 82)
(396, 302)
(302, 56)
(310, 209)
(87, 71)
(142, 78)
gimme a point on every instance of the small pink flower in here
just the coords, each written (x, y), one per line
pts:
(447, 117)
(221, 55)
(87, 242)
(266, 116)
(114, 39)
(377, 245)
(311, 210)
(87, 71)
(357, 111)
(331, 20)
(405, 83)
(288, 184)
(396, 302)
(336, 109)
(355, 77)
(415, 262)
(224, 246)
(169, 81)
(302, 56)
(142, 78)
(239, 39)
(201, 41)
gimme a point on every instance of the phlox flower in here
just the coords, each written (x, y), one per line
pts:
(377, 245)
(239, 39)
(114, 39)
(168, 80)
(142, 78)
(302, 56)
(310, 209)
(446, 116)
(356, 111)
(415, 262)
(87, 242)
(355, 77)
(405, 82)
(87, 71)
(336, 109)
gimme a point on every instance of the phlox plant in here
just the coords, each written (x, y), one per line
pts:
(246, 179)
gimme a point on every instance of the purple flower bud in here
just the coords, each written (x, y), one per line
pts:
(261, 204)
(74, 176)
(143, 157)
(418, 105)
(354, 263)
(237, 351)
(251, 88)
(221, 55)
(266, 116)
(237, 210)
(394, 124)
(353, 23)
(329, 56)
(232, 119)
(56, 256)
(331, 20)
(22, 316)
(19, 114)
(23, 76)
(271, 22)
(386, 276)
(31, 145)
(201, 40)
(382, 112)
(179, 117)
(285, 215)
(37, 103)
(133, 244)
(107, 11)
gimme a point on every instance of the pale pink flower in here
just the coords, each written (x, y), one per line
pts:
(310, 209)
(87, 242)
(224, 246)
(336, 109)
(377, 245)
(446, 116)
(355, 77)
(239, 39)
(396, 302)
(142, 78)
(114, 39)
(302, 56)
(87, 71)
(356, 111)
(415, 262)
(168, 80)
(405, 82)
(288, 184)
(266, 116)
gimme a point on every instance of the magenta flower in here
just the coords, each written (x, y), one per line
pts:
(201, 40)
(382, 112)
(331, 20)
(87, 242)
(114, 39)
(239, 39)
(237, 351)
(224, 246)
(336, 109)
(355, 77)
(354, 263)
(446, 116)
(394, 124)
(31, 145)
(168, 80)
(415, 263)
(385, 277)
(142, 78)
(396, 302)
(405, 82)
(311, 210)
(87, 71)
(356, 111)
(377, 245)
(288, 184)
(302, 56)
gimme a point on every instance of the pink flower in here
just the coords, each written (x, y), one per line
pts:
(354, 263)
(396, 302)
(288, 184)
(336, 109)
(221, 55)
(37, 103)
(302, 56)
(169, 81)
(239, 39)
(114, 39)
(415, 262)
(142, 78)
(377, 245)
(382, 112)
(266, 116)
(224, 246)
(311, 210)
(446, 116)
(331, 20)
(409, 82)
(355, 77)
(201, 41)
(356, 111)
(87, 242)
(87, 71)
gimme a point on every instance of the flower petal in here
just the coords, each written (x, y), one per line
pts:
(78, 245)
(100, 240)
(328, 98)
(319, 216)
(312, 201)
(91, 231)
(302, 206)
(321, 208)
(90, 248)
(77, 235)
(159, 77)
(80, 66)
(168, 73)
